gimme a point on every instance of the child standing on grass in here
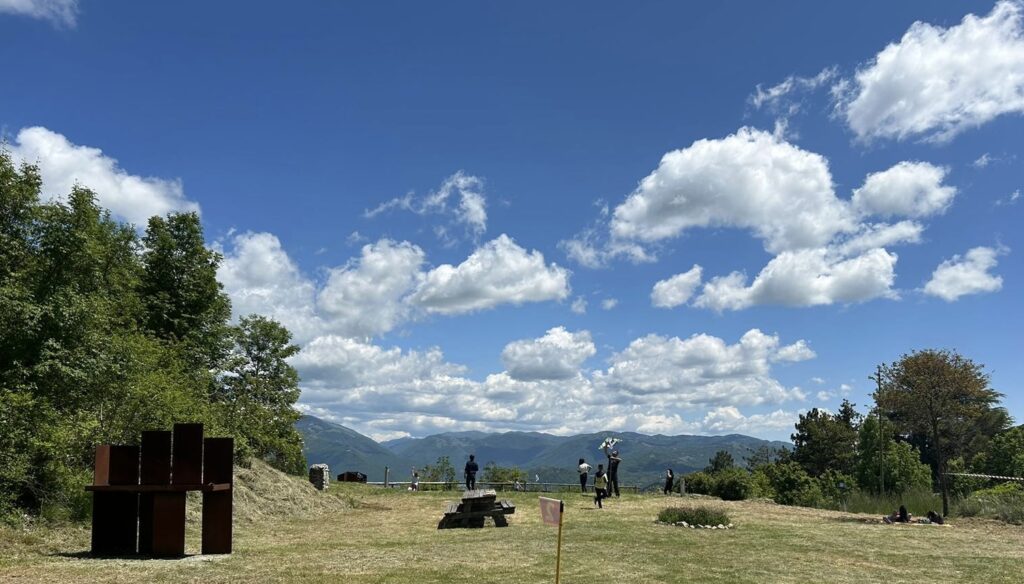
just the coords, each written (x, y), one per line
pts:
(584, 470)
(600, 484)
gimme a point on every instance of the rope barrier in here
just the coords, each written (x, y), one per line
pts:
(972, 474)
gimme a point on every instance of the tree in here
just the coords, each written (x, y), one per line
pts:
(881, 457)
(792, 485)
(184, 301)
(825, 441)
(721, 461)
(259, 391)
(935, 399)
(441, 471)
(501, 474)
(1005, 455)
(765, 455)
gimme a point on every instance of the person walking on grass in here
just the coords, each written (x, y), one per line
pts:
(471, 470)
(584, 470)
(669, 479)
(600, 486)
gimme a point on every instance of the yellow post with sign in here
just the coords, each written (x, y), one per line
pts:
(551, 511)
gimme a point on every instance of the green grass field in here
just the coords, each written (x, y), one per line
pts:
(356, 533)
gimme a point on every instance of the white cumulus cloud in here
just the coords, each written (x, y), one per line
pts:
(498, 272)
(909, 189)
(751, 180)
(809, 277)
(967, 274)
(557, 355)
(63, 164)
(936, 82)
(676, 290)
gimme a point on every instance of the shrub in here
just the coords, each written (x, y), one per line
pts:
(835, 486)
(1003, 502)
(732, 485)
(701, 515)
(793, 486)
(761, 485)
(699, 482)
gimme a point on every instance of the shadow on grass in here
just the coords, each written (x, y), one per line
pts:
(88, 555)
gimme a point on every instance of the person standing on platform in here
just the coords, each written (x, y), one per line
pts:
(584, 470)
(471, 470)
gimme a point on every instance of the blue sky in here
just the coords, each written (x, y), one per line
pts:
(491, 216)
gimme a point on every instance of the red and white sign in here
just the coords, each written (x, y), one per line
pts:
(551, 511)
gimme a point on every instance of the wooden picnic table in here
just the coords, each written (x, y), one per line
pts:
(476, 506)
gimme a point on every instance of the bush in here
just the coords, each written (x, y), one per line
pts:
(1004, 502)
(699, 482)
(792, 485)
(761, 485)
(835, 486)
(732, 485)
(694, 515)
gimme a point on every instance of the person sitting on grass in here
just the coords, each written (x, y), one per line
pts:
(899, 516)
(600, 484)
(936, 518)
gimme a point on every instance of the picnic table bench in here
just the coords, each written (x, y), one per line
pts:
(476, 506)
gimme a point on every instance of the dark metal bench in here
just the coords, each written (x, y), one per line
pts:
(475, 507)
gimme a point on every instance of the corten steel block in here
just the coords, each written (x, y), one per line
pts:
(218, 462)
(116, 465)
(146, 523)
(115, 515)
(187, 454)
(114, 524)
(156, 458)
(101, 470)
(167, 535)
(217, 522)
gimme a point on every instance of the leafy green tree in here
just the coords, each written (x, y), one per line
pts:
(885, 464)
(1005, 455)
(440, 471)
(721, 461)
(699, 482)
(502, 474)
(765, 455)
(732, 484)
(835, 485)
(824, 441)
(183, 299)
(935, 399)
(259, 391)
(792, 485)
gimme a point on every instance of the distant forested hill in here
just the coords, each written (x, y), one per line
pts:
(552, 457)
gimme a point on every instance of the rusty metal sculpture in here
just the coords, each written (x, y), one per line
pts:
(138, 503)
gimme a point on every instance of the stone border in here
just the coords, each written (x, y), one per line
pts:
(685, 524)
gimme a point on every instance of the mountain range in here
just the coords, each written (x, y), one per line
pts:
(552, 458)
